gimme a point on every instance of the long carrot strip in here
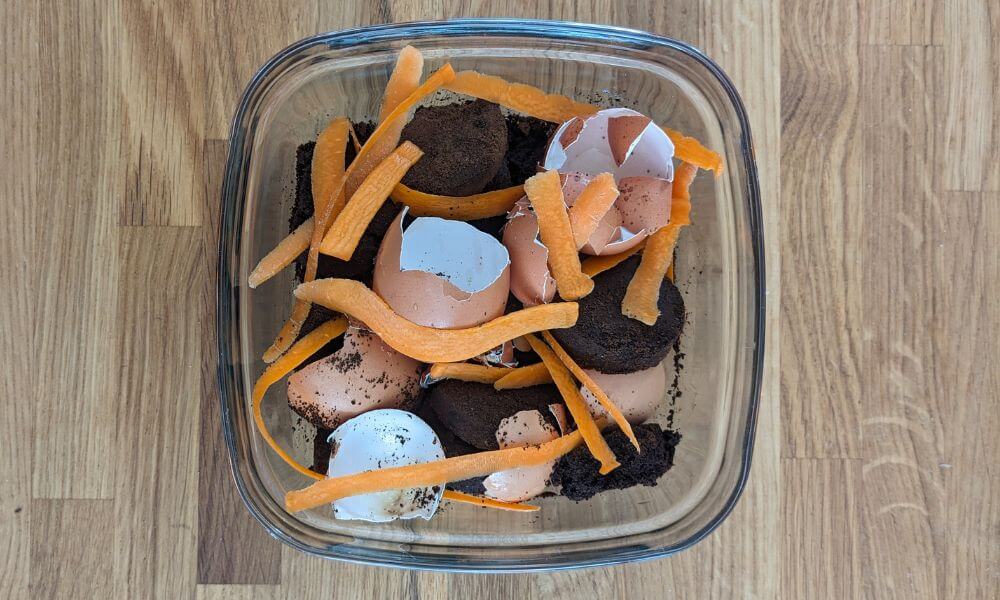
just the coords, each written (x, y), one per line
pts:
(428, 344)
(643, 292)
(346, 231)
(596, 443)
(295, 356)
(523, 377)
(467, 372)
(545, 194)
(283, 254)
(438, 472)
(456, 496)
(595, 200)
(460, 208)
(595, 389)
(404, 79)
(593, 265)
(520, 97)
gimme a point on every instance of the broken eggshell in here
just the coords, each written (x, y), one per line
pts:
(442, 273)
(637, 395)
(380, 439)
(637, 153)
(530, 279)
(523, 428)
(363, 375)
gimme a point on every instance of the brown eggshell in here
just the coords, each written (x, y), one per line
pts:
(622, 135)
(636, 394)
(516, 485)
(571, 131)
(431, 300)
(363, 375)
(530, 279)
(644, 203)
(607, 238)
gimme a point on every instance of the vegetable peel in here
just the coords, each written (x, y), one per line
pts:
(545, 194)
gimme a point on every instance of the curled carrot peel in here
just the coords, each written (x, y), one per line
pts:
(295, 356)
(438, 472)
(691, 151)
(428, 344)
(594, 265)
(595, 389)
(519, 97)
(346, 231)
(456, 496)
(643, 292)
(585, 423)
(283, 254)
(404, 79)
(593, 203)
(467, 372)
(522, 377)
(544, 191)
(459, 208)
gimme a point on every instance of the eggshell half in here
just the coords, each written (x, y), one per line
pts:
(442, 273)
(636, 394)
(611, 235)
(530, 279)
(363, 375)
(380, 439)
(515, 485)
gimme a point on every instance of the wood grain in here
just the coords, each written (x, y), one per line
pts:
(877, 128)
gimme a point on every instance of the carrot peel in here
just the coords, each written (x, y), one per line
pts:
(519, 97)
(545, 194)
(522, 377)
(438, 472)
(461, 208)
(456, 496)
(428, 344)
(594, 202)
(467, 372)
(295, 356)
(594, 265)
(585, 423)
(283, 254)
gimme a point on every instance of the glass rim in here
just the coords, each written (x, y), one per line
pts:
(227, 308)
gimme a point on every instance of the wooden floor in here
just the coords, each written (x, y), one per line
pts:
(877, 127)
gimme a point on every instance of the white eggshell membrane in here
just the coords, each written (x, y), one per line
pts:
(637, 395)
(442, 273)
(515, 485)
(363, 375)
(530, 279)
(380, 439)
(637, 153)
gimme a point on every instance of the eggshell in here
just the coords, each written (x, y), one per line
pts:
(637, 153)
(380, 439)
(363, 375)
(530, 279)
(636, 394)
(515, 485)
(442, 273)
(501, 356)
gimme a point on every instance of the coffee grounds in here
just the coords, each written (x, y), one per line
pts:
(452, 446)
(578, 472)
(605, 339)
(464, 146)
(321, 450)
(473, 411)
(527, 140)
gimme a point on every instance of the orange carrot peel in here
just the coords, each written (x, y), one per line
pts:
(690, 150)
(456, 496)
(404, 79)
(438, 472)
(459, 208)
(467, 372)
(283, 254)
(594, 265)
(295, 356)
(523, 377)
(643, 292)
(428, 344)
(346, 231)
(593, 203)
(585, 423)
(519, 97)
(595, 389)
(545, 194)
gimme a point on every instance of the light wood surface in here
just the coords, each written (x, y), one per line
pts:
(877, 129)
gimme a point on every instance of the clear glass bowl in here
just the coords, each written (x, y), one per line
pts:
(719, 271)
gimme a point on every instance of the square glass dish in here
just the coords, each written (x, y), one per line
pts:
(720, 273)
